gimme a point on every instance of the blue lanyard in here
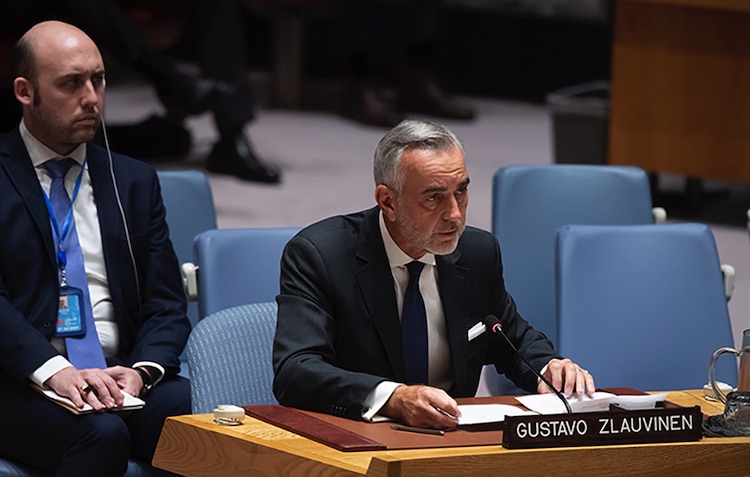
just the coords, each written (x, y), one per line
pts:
(62, 258)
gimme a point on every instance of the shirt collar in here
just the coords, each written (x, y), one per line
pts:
(39, 153)
(396, 256)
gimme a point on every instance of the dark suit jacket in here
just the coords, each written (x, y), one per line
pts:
(155, 329)
(338, 333)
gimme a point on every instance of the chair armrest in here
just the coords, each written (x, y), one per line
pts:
(190, 280)
(727, 271)
(660, 215)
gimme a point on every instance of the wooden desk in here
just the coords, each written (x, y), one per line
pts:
(194, 446)
(679, 102)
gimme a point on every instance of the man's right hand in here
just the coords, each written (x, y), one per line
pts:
(92, 386)
(422, 406)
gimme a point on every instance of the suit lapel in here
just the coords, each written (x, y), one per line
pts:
(455, 293)
(21, 173)
(110, 223)
(376, 283)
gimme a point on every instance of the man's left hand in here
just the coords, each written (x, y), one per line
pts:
(568, 377)
(127, 379)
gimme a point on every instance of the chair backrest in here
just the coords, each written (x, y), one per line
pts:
(190, 211)
(531, 202)
(642, 306)
(229, 355)
(238, 266)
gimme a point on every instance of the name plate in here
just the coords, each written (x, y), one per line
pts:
(603, 428)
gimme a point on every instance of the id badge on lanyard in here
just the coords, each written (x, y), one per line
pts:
(71, 318)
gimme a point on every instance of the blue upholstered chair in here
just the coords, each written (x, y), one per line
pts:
(642, 306)
(190, 211)
(229, 354)
(529, 203)
(236, 266)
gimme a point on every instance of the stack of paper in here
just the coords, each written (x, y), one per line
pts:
(594, 402)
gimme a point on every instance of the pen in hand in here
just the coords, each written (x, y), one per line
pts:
(420, 430)
(446, 413)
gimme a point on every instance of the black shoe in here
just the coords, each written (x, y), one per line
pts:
(194, 95)
(236, 157)
(420, 93)
(369, 105)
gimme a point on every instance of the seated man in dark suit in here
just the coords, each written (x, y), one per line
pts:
(91, 302)
(356, 337)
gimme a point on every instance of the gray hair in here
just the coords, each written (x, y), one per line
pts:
(408, 134)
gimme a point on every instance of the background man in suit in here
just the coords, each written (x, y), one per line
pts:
(214, 32)
(392, 54)
(131, 273)
(345, 286)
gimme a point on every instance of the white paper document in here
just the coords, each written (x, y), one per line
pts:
(598, 401)
(633, 403)
(551, 404)
(484, 413)
(131, 402)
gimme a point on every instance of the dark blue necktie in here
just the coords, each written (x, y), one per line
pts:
(414, 329)
(83, 351)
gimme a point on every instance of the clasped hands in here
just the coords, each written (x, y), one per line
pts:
(428, 407)
(100, 388)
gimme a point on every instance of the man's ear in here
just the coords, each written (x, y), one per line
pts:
(385, 198)
(24, 91)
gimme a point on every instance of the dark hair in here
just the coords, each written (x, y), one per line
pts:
(22, 61)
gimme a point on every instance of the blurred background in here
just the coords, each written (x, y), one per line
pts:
(319, 82)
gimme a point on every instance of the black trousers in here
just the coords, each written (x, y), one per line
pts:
(42, 434)
(403, 35)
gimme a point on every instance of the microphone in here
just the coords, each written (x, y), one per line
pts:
(494, 325)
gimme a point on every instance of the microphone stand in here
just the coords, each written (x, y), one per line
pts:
(496, 327)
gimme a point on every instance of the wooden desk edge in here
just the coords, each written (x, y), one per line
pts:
(194, 445)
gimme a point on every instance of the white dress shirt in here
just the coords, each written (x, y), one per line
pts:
(439, 365)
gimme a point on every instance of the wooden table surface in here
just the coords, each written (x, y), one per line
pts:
(193, 445)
